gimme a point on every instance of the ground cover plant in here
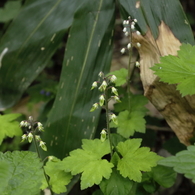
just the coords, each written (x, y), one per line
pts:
(90, 134)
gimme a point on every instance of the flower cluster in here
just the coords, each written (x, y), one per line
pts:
(32, 127)
(104, 86)
(129, 28)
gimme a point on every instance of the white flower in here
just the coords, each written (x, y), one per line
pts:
(132, 26)
(123, 50)
(124, 29)
(114, 90)
(135, 20)
(129, 46)
(126, 33)
(137, 64)
(138, 44)
(102, 99)
(101, 74)
(94, 107)
(30, 137)
(94, 85)
(138, 33)
(42, 145)
(40, 126)
(113, 78)
(103, 86)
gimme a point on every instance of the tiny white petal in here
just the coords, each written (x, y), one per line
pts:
(138, 33)
(135, 20)
(126, 33)
(138, 44)
(129, 46)
(125, 29)
(123, 50)
(132, 27)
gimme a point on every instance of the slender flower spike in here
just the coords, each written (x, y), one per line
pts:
(113, 78)
(103, 86)
(138, 44)
(103, 135)
(42, 145)
(129, 46)
(102, 99)
(94, 85)
(113, 118)
(94, 107)
(40, 126)
(114, 90)
(30, 137)
(24, 137)
(123, 50)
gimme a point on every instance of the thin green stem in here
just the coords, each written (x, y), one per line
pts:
(108, 121)
(39, 155)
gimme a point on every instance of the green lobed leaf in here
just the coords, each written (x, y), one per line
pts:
(179, 69)
(9, 126)
(135, 159)
(116, 184)
(182, 162)
(129, 122)
(58, 178)
(4, 175)
(25, 173)
(164, 176)
(89, 162)
(121, 76)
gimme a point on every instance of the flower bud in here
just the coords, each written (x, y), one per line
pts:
(113, 78)
(123, 50)
(103, 135)
(116, 98)
(103, 86)
(129, 46)
(101, 74)
(114, 90)
(37, 137)
(138, 44)
(137, 64)
(30, 137)
(40, 126)
(113, 118)
(94, 107)
(42, 145)
(102, 99)
(94, 85)
(24, 137)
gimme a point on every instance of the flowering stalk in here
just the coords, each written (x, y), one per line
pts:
(129, 27)
(108, 121)
(31, 136)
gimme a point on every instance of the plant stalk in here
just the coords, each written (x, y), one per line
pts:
(108, 121)
(39, 155)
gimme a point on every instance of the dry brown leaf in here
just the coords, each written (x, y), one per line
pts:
(178, 111)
